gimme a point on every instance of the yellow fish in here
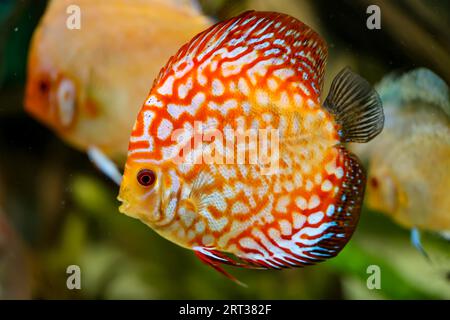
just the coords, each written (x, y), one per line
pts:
(88, 84)
(409, 174)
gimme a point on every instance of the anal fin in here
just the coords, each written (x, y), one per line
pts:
(215, 259)
(415, 240)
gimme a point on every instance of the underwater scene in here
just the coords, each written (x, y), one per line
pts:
(220, 149)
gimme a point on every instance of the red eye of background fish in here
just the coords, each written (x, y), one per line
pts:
(374, 182)
(44, 86)
(146, 177)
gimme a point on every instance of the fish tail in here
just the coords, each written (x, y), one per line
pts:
(356, 107)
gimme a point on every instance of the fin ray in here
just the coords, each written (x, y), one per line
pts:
(356, 106)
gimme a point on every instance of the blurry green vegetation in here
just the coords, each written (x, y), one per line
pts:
(65, 212)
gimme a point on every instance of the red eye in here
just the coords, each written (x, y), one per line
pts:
(44, 86)
(374, 182)
(146, 177)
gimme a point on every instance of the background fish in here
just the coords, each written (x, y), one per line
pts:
(405, 181)
(259, 70)
(88, 84)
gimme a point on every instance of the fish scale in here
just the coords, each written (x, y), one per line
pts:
(257, 71)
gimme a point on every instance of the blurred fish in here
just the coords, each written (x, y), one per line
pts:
(257, 71)
(15, 271)
(88, 84)
(409, 175)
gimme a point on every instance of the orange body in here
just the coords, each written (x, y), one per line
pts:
(257, 71)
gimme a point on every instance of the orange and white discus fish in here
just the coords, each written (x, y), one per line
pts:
(256, 71)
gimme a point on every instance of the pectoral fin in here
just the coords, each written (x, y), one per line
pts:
(104, 164)
(356, 107)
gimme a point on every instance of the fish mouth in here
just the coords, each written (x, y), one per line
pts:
(125, 206)
(129, 209)
(126, 209)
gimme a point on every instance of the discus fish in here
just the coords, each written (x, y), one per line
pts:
(258, 71)
(409, 175)
(88, 84)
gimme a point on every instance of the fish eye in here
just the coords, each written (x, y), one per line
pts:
(146, 177)
(44, 86)
(374, 183)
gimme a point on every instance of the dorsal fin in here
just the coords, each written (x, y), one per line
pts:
(257, 31)
(356, 107)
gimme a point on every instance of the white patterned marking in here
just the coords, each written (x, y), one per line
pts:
(316, 217)
(217, 87)
(286, 227)
(301, 203)
(339, 172)
(165, 129)
(240, 208)
(167, 87)
(330, 210)
(299, 220)
(326, 186)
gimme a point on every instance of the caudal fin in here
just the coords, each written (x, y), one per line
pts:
(356, 107)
